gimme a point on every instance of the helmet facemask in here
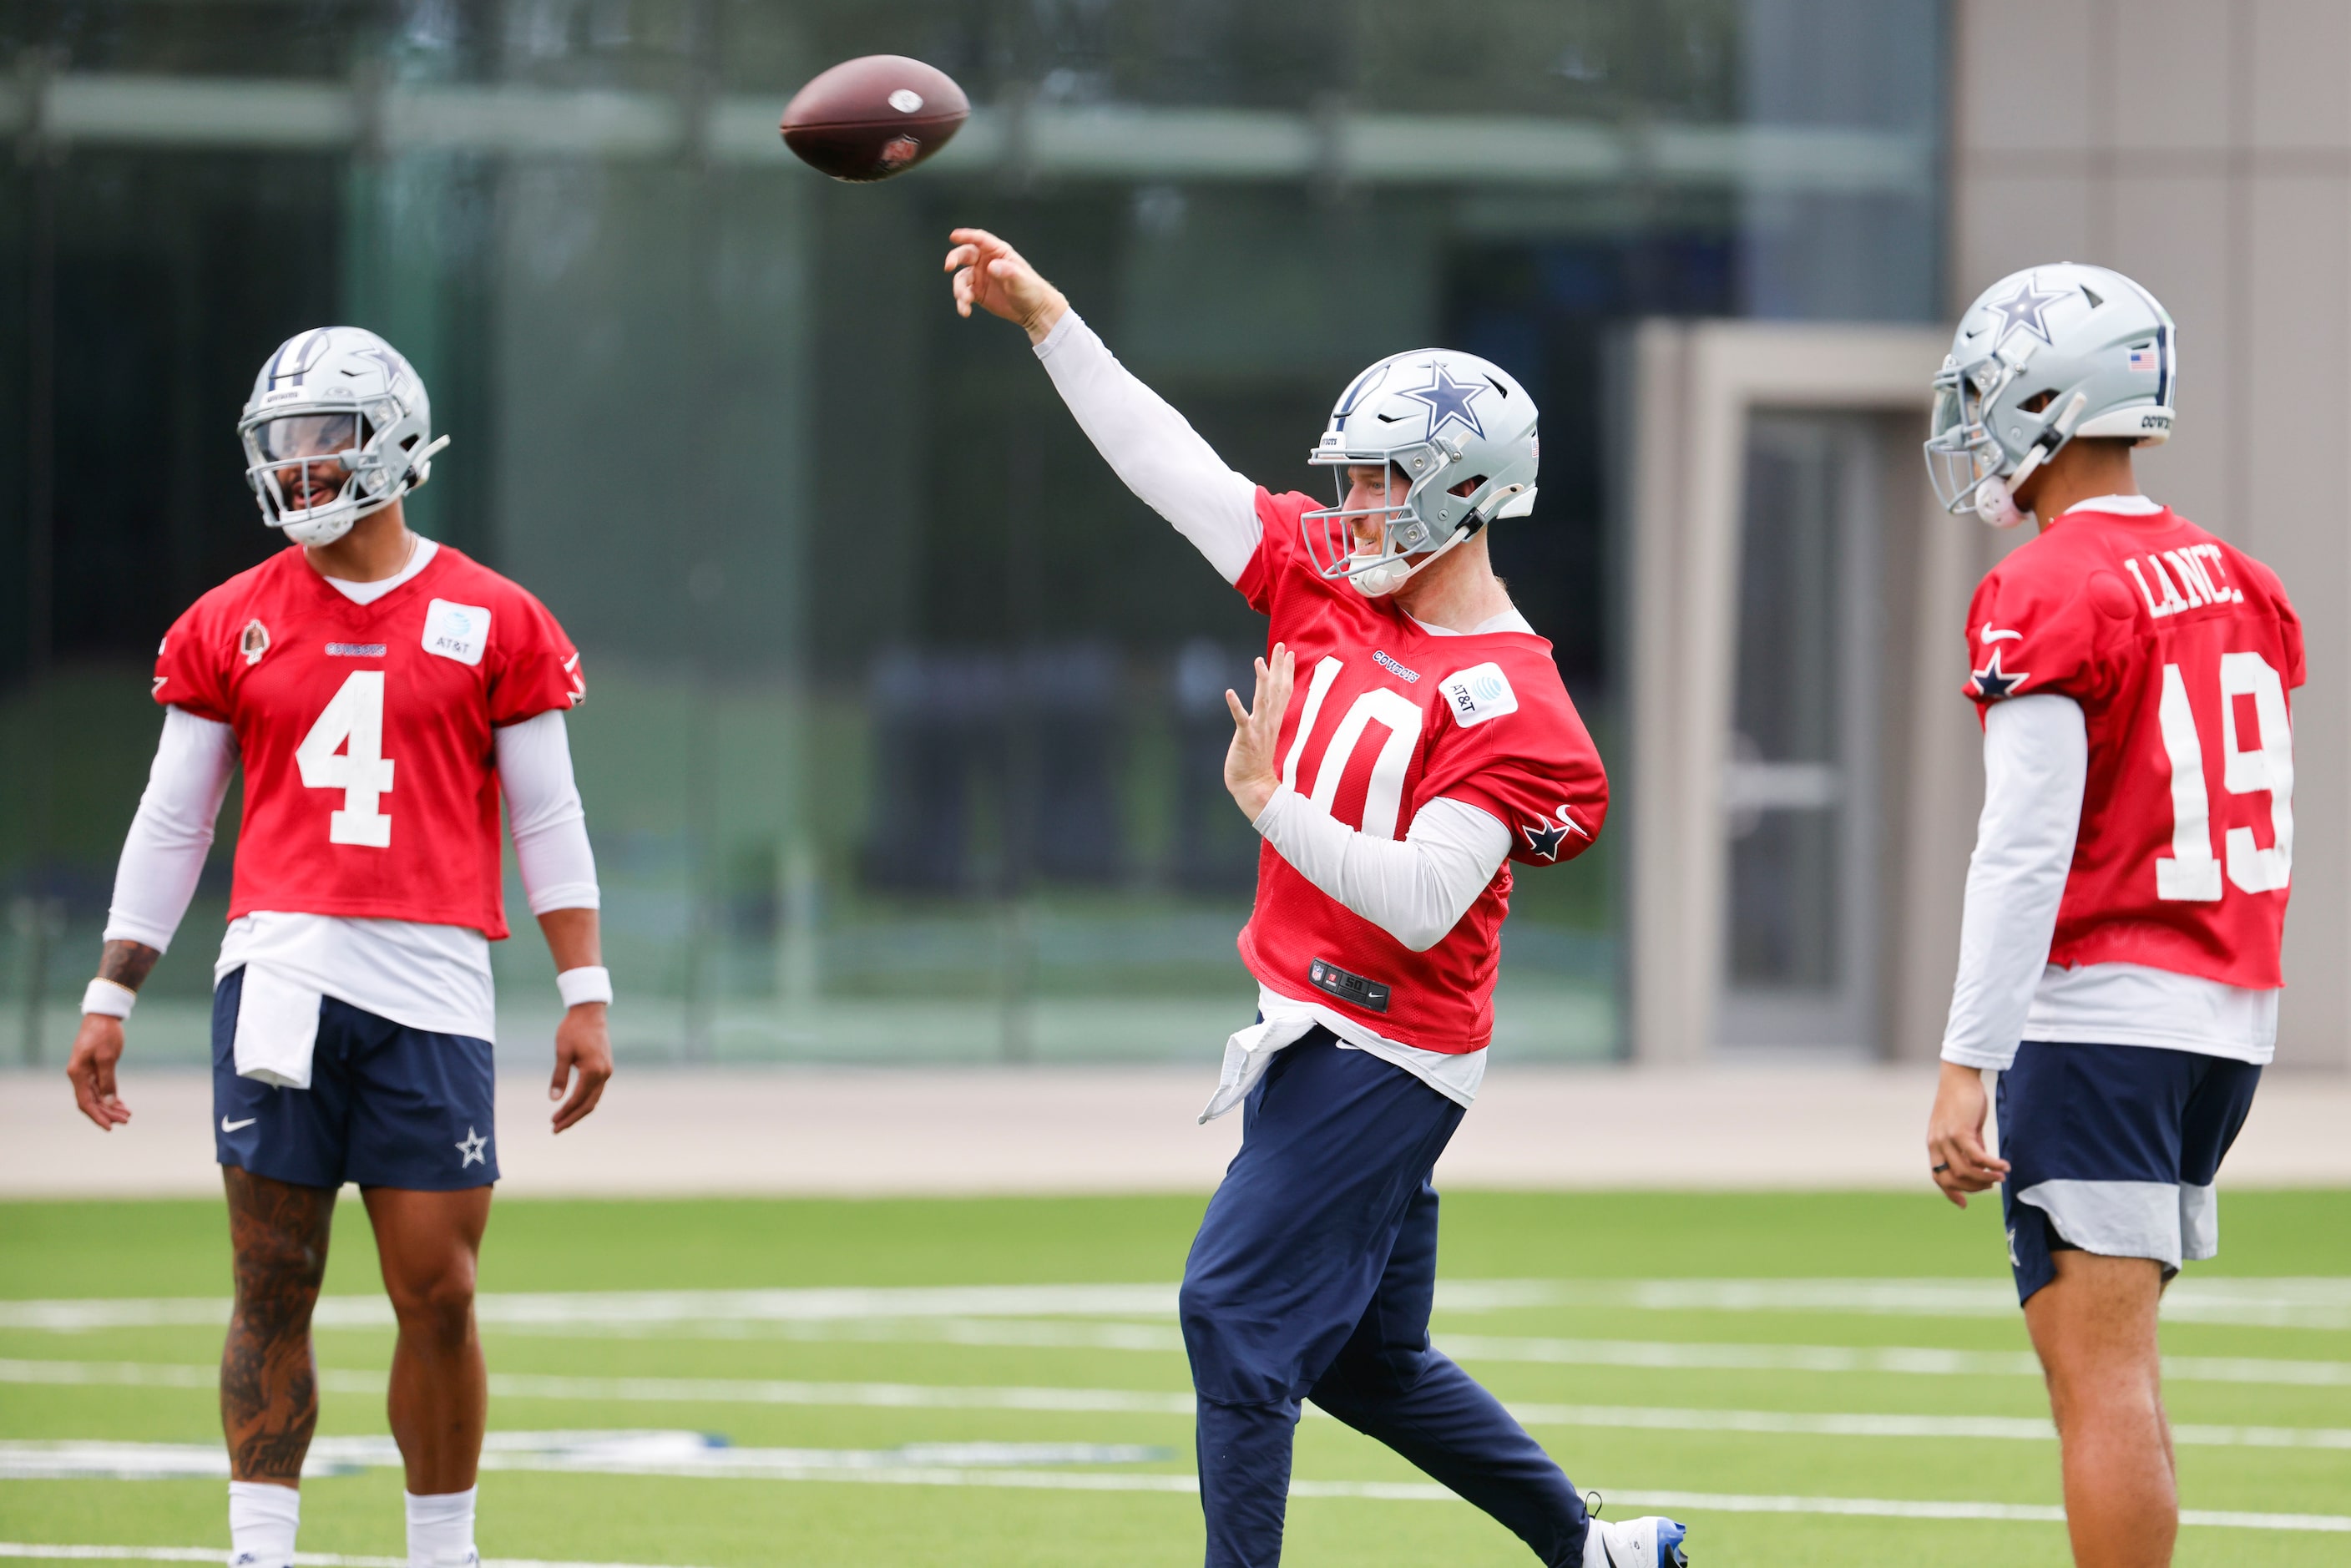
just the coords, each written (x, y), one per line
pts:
(1371, 546)
(337, 427)
(1964, 459)
(1420, 514)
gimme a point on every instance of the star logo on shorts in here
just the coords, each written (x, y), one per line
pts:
(470, 1147)
(1992, 682)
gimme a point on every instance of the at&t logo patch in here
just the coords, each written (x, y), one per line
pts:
(459, 632)
(1477, 694)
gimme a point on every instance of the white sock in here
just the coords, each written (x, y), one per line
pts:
(441, 1529)
(262, 1518)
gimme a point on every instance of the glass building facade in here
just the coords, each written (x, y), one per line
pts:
(905, 721)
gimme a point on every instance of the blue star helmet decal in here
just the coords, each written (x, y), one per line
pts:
(1992, 682)
(2024, 309)
(1449, 401)
(382, 355)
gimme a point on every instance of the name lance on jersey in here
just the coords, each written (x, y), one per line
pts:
(2196, 579)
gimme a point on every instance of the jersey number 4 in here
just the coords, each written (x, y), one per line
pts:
(344, 750)
(2192, 872)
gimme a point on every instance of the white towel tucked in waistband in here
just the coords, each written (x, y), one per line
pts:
(1247, 1056)
(276, 1029)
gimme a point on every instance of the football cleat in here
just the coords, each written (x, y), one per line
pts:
(1650, 1542)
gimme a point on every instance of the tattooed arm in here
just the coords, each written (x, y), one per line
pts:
(97, 1045)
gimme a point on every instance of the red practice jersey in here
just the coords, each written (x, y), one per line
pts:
(370, 776)
(2180, 649)
(1385, 717)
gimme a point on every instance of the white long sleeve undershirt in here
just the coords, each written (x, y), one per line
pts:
(164, 853)
(1416, 888)
(2036, 760)
(2036, 766)
(544, 814)
(1154, 448)
(426, 976)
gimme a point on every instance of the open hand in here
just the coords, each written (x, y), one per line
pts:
(584, 1043)
(1955, 1140)
(991, 275)
(1250, 771)
(96, 1047)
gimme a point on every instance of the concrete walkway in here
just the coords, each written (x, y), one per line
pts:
(782, 1131)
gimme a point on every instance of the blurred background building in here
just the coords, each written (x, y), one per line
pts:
(904, 734)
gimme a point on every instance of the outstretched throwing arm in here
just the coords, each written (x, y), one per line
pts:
(1150, 446)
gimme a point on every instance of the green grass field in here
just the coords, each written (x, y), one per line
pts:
(971, 1426)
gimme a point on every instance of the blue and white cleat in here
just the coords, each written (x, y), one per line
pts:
(1650, 1542)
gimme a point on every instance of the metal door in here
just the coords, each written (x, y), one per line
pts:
(1799, 791)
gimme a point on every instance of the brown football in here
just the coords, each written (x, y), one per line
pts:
(871, 118)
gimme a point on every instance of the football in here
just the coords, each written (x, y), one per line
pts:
(873, 117)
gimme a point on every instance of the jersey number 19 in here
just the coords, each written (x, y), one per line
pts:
(2192, 872)
(344, 750)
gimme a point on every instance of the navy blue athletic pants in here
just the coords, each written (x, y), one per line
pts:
(1312, 1279)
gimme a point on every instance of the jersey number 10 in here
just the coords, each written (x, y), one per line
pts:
(2192, 872)
(344, 750)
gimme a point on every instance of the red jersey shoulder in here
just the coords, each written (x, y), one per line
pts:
(481, 616)
(2261, 586)
(1516, 749)
(224, 624)
(2049, 618)
(1279, 562)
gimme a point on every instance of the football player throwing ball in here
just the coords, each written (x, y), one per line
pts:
(1408, 740)
(2118, 956)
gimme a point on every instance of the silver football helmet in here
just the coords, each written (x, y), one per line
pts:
(2043, 356)
(338, 426)
(1462, 433)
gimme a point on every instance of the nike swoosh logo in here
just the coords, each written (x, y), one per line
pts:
(229, 1127)
(1993, 635)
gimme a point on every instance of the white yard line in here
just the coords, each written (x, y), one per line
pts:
(1120, 1401)
(2313, 1304)
(214, 1555)
(628, 1453)
(1399, 1492)
(1918, 1361)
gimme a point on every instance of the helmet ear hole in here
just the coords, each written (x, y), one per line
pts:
(2039, 401)
(1467, 486)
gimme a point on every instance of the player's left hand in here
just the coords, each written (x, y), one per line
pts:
(1955, 1141)
(1251, 772)
(583, 1044)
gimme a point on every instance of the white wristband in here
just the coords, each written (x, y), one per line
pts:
(587, 984)
(108, 998)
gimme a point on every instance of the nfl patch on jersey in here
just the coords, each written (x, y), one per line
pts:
(1477, 694)
(458, 632)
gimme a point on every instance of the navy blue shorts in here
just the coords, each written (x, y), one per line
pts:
(388, 1105)
(2112, 1149)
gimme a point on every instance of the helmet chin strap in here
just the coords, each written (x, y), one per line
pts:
(1379, 582)
(1996, 497)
